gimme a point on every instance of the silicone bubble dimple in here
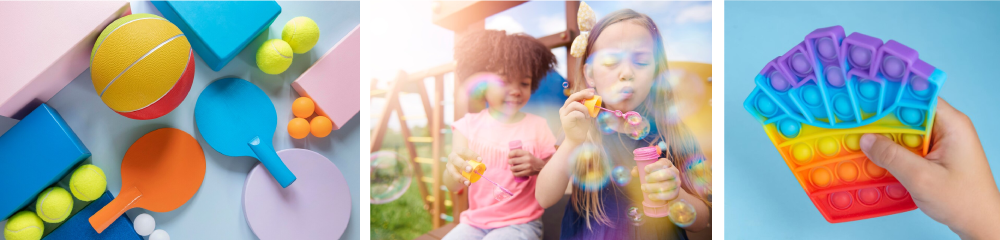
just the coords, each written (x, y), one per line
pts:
(842, 107)
(860, 57)
(821, 177)
(869, 90)
(920, 87)
(852, 142)
(911, 140)
(828, 146)
(896, 191)
(874, 171)
(841, 200)
(800, 64)
(765, 106)
(847, 171)
(826, 48)
(893, 67)
(778, 81)
(910, 116)
(789, 128)
(834, 76)
(802, 153)
(869, 196)
(810, 94)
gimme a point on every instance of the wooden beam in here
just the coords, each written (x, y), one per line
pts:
(438, 148)
(392, 101)
(572, 29)
(456, 15)
(557, 40)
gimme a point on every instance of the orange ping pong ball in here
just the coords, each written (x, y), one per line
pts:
(298, 128)
(321, 126)
(303, 107)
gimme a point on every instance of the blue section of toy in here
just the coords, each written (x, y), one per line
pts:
(238, 119)
(35, 153)
(78, 226)
(219, 30)
(838, 82)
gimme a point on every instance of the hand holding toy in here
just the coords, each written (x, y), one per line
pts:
(459, 167)
(954, 176)
(516, 153)
(574, 115)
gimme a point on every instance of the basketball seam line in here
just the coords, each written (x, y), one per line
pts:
(279, 52)
(137, 61)
(171, 88)
(116, 29)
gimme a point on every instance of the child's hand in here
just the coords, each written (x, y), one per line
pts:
(575, 117)
(662, 181)
(524, 164)
(457, 160)
(953, 184)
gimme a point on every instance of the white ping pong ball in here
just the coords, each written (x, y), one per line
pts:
(144, 224)
(159, 234)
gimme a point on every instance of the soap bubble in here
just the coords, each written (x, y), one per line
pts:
(638, 131)
(634, 216)
(478, 83)
(608, 123)
(699, 173)
(589, 167)
(390, 177)
(682, 213)
(633, 119)
(621, 175)
(499, 194)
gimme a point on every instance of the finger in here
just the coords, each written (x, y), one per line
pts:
(666, 196)
(516, 153)
(580, 96)
(458, 176)
(468, 155)
(576, 107)
(518, 160)
(525, 173)
(903, 164)
(663, 175)
(656, 166)
(521, 167)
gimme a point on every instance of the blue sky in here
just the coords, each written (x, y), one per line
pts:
(407, 40)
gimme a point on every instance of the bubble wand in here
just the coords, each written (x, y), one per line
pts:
(480, 167)
(594, 106)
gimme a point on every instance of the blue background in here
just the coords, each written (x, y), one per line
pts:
(763, 199)
(216, 211)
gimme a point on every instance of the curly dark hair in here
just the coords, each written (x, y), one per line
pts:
(514, 56)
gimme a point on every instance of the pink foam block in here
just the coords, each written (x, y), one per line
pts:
(334, 82)
(45, 46)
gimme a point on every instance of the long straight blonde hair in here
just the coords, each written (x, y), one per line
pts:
(680, 143)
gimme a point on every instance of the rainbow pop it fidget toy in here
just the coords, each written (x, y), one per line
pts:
(816, 101)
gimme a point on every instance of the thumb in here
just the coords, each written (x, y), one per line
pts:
(902, 163)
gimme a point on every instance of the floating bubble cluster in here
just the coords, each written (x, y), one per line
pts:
(621, 175)
(608, 123)
(476, 88)
(636, 131)
(682, 213)
(629, 123)
(390, 177)
(589, 168)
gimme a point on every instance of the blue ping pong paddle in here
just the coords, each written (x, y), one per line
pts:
(237, 119)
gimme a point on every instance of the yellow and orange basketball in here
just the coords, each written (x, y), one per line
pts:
(142, 66)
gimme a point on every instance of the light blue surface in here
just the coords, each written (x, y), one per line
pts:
(216, 211)
(763, 199)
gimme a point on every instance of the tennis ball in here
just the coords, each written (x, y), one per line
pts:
(298, 128)
(274, 56)
(321, 126)
(142, 66)
(54, 205)
(303, 107)
(24, 225)
(301, 33)
(88, 182)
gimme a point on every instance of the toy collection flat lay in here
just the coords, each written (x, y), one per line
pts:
(142, 67)
(816, 101)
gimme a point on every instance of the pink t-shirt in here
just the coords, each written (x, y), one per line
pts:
(490, 138)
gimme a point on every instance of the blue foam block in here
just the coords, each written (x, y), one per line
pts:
(35, 153)
(78, 226)
(219, 30)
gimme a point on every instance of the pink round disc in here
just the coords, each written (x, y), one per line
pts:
(316, 206)
(896, 191)
(841, 200)
(869, 196)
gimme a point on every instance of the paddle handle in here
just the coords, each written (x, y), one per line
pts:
(107, 215)
(272, 162)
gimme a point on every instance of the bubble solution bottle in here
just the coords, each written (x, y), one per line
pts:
(645, 156)
(516, 145)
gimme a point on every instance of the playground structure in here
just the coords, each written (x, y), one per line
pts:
(467, 17)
